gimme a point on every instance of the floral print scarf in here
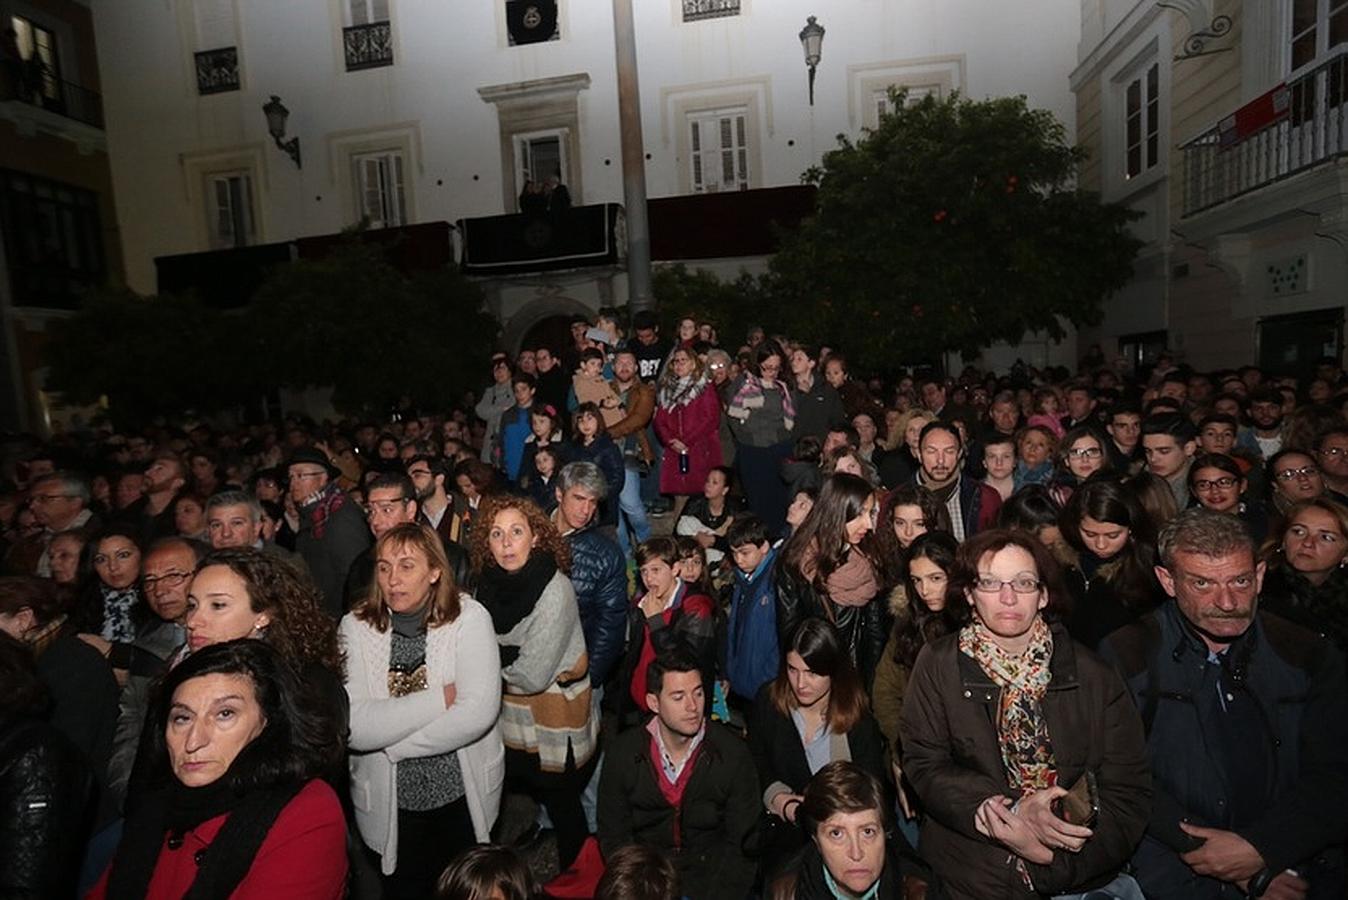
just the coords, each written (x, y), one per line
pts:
(1027, 752)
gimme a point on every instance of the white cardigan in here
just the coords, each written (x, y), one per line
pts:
(385, 730)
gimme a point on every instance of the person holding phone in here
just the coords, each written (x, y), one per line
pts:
(1006, 724)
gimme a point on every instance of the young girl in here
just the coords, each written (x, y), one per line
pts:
(693, 568)
(538, 476)
(545, 431)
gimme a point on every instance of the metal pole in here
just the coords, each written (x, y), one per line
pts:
(639, 292)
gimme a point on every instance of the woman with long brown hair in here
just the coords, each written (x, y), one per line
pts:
(830, 569)
(425, 690)
(548, 722)
(813, 713)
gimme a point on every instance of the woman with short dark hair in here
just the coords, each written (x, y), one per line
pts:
(235, 805)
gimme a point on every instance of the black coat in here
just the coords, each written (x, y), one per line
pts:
(45, 789)
(779, 757)
(1322, 608)
(604, 453)
(864, 629)
(1295, 681)
(902, 867)
(714, 830)
(329, 558)
(84, 707)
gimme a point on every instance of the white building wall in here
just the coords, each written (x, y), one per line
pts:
(164, 138)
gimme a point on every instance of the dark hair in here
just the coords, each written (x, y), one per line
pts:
(478, 473)
(1029, 509)
(1075, 434)
(1126, 408)
(767, 348)
(298, 628)
(1172, 424)
(40, 595)
(821, 535)
(479, 870)
(916, 625)
(848, 430)
(664, 548)
(824, 652)
(965, 574)
(1217, 418)
(892, 556)
(390, 480)
(22, 691)
(1215, 461)
(1134, 580)
(840, 787)
(638, 872)
(524, 378)
(588, 409)
(746, 529)
(674, 659)
(938, 425)
(726, 472)
(590, 353)
(300, 740)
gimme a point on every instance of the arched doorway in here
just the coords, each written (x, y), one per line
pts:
(543, 319)
(554, 332)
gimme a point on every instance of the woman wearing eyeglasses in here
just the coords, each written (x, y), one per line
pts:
(1081, 454)
(1217, 483)
(1306, 580)
(1108, 552)
(1293, 477)
(1001, 719)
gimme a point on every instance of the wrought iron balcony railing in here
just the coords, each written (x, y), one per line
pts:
(696, 10)
(218, 70)
(67, 99)
(368, 46)
(1291, 128)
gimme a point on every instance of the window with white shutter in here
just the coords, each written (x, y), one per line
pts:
(367, 12)
(216, 26)
(380, 191)
(719, 150)
(230, 199)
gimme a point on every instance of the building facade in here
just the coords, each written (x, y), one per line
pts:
(1223, 122)
(58, 221)
(418, 111)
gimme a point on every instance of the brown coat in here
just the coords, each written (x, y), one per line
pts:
(640, 409)
(952, 758)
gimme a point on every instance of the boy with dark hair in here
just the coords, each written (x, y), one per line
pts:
(1169, 441)
(751, 648)
(669, 614)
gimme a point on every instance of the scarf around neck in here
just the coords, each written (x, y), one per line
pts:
(511, 596)
(1022, 731)
(322, 504)
(680, 391)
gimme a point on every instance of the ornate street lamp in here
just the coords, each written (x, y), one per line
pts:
(812, 40)
(276, 114)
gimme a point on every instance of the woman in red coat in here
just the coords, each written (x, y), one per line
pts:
(235, 806)
(687, 418)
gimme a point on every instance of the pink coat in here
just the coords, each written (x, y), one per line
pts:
(696, 424)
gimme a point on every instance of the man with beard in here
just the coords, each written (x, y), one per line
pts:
(153, 513)
(633, 436)
(647, 346)
(438, 508)
(973, 505)
(1247, 729)
(1264, 438)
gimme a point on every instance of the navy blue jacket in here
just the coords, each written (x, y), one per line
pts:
(599, 575)
(1294, 680)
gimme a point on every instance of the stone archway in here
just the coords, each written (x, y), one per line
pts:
(535, 314)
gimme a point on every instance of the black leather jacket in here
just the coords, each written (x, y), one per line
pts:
(45, 789)
(864, 629)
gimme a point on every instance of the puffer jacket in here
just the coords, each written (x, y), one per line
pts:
(599, 575)
(864, 629)
(44, 797)
(952, 757)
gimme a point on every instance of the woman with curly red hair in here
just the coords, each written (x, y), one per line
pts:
(548, 721)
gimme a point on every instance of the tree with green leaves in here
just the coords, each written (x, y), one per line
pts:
(952, 225)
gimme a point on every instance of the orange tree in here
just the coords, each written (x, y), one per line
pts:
(952, 225)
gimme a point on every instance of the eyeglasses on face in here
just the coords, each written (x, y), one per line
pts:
(168, 580)
(1085, 453)
(1205, 484)
(1303, 472)
(1021, 584)
(1333, 452)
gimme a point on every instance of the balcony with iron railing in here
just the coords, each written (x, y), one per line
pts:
(53, 106)
(217, 70)
(368, 46)
(1293, 128)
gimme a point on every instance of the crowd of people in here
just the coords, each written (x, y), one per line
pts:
(741, 624)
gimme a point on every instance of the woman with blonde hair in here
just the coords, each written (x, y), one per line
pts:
(424, 681)
(548, 721)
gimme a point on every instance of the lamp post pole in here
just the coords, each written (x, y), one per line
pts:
(639, 292)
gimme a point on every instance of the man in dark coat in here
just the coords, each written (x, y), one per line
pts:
(332, 529)
(1247, 728)
(683, 785)
(973, 505)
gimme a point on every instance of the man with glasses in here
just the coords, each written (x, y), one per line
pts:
(391, 499)
(332, 532)
(1247, 729)
(973, 505)
(59, 502)
(437, 507)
